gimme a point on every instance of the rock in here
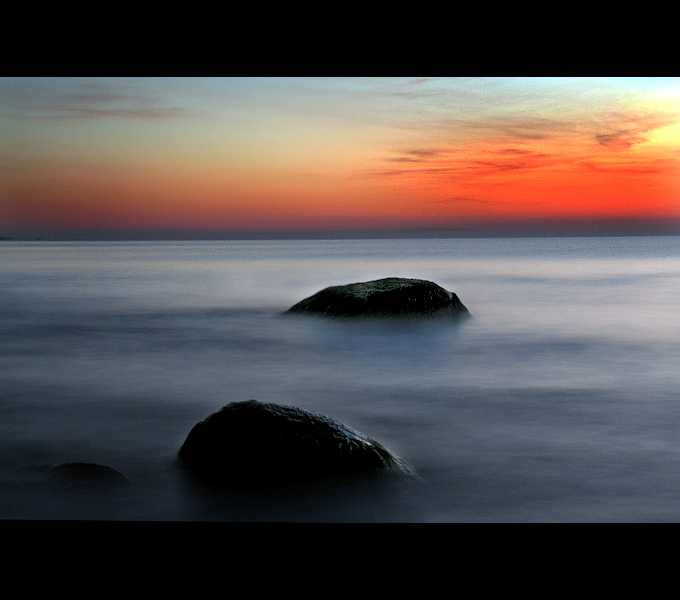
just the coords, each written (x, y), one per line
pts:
(389, 297)
(83, 473)
(259, 444)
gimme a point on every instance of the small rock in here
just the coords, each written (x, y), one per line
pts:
(87, 474)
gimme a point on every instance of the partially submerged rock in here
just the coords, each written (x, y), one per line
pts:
(69, 475)
(389, 297)
(85, 473)
(258, 444)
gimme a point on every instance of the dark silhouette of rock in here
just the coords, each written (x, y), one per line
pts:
(259, 444)
(389, 297)
(84, 473)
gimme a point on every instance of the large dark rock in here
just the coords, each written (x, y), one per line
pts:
(389, 297)
(258, 444)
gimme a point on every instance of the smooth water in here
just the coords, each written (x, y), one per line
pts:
(557, 401)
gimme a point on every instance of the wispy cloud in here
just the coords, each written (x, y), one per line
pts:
(652, 167)
(456, 163)
(625, 130)
(508, 111)
(515, 151)
(415, 156)
(89, 98)
(624, 138)
(491, 166)
(509, 127)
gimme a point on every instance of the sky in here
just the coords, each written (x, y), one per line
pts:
(195, 157)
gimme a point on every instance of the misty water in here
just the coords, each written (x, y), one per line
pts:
(558, 401)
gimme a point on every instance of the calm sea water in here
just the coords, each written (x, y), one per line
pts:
(558, 400)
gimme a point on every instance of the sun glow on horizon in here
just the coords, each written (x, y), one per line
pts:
(101, 154)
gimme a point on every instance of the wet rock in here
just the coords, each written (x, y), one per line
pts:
(258, 444)
(389, 297)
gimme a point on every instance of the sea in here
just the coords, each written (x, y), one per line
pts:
(557, 401)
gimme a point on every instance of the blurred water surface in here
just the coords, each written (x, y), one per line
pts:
(557, 401)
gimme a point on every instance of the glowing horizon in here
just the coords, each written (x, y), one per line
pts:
(292, 153)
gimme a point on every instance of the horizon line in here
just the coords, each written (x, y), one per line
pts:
(515, 229)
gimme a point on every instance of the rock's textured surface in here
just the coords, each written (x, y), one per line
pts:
(389, 297)
(255, 443)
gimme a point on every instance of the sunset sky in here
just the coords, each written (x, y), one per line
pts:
(182, 156)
